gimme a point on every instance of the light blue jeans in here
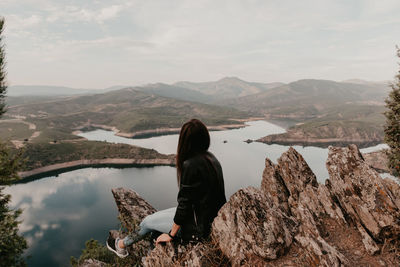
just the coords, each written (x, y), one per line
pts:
(160, 221)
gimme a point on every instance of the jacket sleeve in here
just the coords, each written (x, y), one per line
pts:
(189, 190)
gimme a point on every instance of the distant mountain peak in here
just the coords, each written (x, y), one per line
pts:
(230, 79)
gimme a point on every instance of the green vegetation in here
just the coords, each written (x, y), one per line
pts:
(176, 92)
(322, 112)
(341, 125)
(3, 85)
(95, 250)
(307, 99)
(10, 164)
(227, 88)
(38, 155)
(12, 244)
(50, 139)
(128, 110)
(363, 119)
(14, 131)
(392, 127)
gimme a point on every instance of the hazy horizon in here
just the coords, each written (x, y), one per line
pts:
(145, 84)
(99, 44)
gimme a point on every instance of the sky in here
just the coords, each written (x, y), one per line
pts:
(97, 44)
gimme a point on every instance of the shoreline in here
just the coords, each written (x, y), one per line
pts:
(321, 142)
(122, 162)
(83, 163)
(165, 131)
(169, 131)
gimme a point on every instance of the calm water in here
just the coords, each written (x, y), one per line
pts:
(61, 212)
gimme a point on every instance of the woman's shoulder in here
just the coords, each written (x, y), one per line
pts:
(192, 161)
(199, 160)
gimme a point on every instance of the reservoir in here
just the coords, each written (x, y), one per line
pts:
(61, 212)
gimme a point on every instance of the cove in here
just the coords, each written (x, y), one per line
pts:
(61, 212)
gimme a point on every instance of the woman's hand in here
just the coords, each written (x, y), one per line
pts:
(163, 238)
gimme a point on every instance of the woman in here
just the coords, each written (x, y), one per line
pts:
(201, 193)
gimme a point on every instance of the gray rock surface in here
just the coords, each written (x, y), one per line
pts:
(294, 188)
(248, 224)
(178, 255)
(364, 196)
(132, 207)
(93, 263)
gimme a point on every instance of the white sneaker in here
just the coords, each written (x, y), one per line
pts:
(112, 245)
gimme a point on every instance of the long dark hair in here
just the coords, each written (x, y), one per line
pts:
(194, 139)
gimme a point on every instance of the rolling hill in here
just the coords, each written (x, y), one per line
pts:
(228, 87)
(176, 92)
(320, 111)
(48, 90)
(307, 99)
(127, 110)
(340, 126)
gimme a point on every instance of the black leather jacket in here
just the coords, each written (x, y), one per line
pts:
(201, 195)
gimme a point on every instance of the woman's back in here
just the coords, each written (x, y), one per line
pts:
(201, 195)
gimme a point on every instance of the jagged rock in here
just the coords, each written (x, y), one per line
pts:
(377, 160)
(274, 188)
(132, 210)
(249, 228)
(93, 263)
(355, 208)
(394, 189)
(293, 220)
(132, 207)
(363, 195)
(294, 188)
(178, 255)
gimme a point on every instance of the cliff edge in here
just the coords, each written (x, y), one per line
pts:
(292, 220)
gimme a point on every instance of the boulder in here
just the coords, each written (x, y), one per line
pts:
(249, 228)
(369, 202)
(294, 188)
(344, 222)
(132, 207)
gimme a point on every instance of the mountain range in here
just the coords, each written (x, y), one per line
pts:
(313, 107)
(48, 90)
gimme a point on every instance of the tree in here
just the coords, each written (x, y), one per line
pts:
(12, 244)
(3, 85)
(392, 127)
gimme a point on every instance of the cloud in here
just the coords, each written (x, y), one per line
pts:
(108, 13)
(20, 23)
(173, 40)
(70, 14)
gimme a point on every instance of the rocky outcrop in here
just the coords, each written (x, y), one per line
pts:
(377, 160)
(363, 196)
(292, 220)
(132, 207)
(249, 225)
(132, 210)
(178, 255)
